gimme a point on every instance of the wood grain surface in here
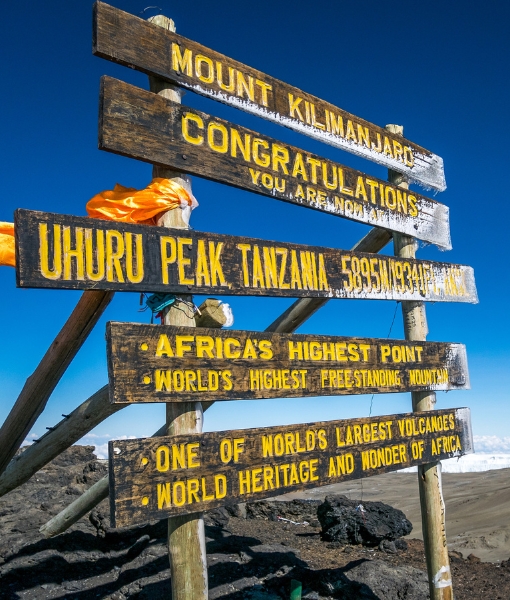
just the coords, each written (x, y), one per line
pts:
(150, 363)
(152, 478)
(61, 251)
(133, 42)
(142, 125)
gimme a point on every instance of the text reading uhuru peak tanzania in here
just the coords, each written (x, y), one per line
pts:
(80, 253)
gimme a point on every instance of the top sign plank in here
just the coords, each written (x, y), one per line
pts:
(133, 42)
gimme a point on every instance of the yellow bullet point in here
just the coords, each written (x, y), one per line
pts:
(145, 500)
(144, 346)
(144, 461)
(147, 379)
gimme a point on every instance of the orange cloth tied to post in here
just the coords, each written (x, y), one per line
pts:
(7, 253)
(130, 205)
(127, 205)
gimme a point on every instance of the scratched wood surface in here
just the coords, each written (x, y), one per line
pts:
(61, 251)
(133, 42)
(151, 363)
(153, 478)
(142, 125)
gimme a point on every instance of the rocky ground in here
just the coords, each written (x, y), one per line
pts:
(250, 554)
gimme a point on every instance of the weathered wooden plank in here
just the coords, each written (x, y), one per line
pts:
(40, 385)
(130, 41)
(155, 477)
(64, 434)
(149, 363)
(148, 127)
(60, 251)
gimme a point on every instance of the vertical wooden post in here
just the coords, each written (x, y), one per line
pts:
(429, 476)
(186, 536)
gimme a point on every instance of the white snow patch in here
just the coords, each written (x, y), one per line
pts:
(491, 452)
(471, 463)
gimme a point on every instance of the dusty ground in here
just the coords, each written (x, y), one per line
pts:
(253, 559)
(477, 507)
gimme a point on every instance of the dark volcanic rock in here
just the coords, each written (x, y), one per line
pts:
(54, 487)
(217, 517)
(237, 510)
(294, 510)
(349, 522)
(389, 583)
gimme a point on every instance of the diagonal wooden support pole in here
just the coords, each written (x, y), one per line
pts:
(287, 322)
(42, 382)
(90, 413)
(429, 476)
(304, 308)
(82, 505)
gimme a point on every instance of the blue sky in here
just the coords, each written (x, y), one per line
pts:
(437, 68)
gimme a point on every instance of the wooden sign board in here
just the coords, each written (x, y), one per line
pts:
(143, 125)
(60, 251)
(133, 42)
(154, 363)
(154, 478)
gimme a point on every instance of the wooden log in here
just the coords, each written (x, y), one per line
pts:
(84, 418)
(374, 241)
(205, 71)
(186, 534)
(76, 510)
(429, 475)
(211, 314)
(42, 382)
(82, 505)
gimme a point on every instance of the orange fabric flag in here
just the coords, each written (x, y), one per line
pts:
(130, 205)
(7, 253)
(124, 204)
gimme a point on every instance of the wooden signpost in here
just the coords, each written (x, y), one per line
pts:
(151, 363)
(190, 65)
(142, 125)
(186, 472)
(153, 478)
(61, 251)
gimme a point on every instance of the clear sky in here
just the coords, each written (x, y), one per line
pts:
(438, 68)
